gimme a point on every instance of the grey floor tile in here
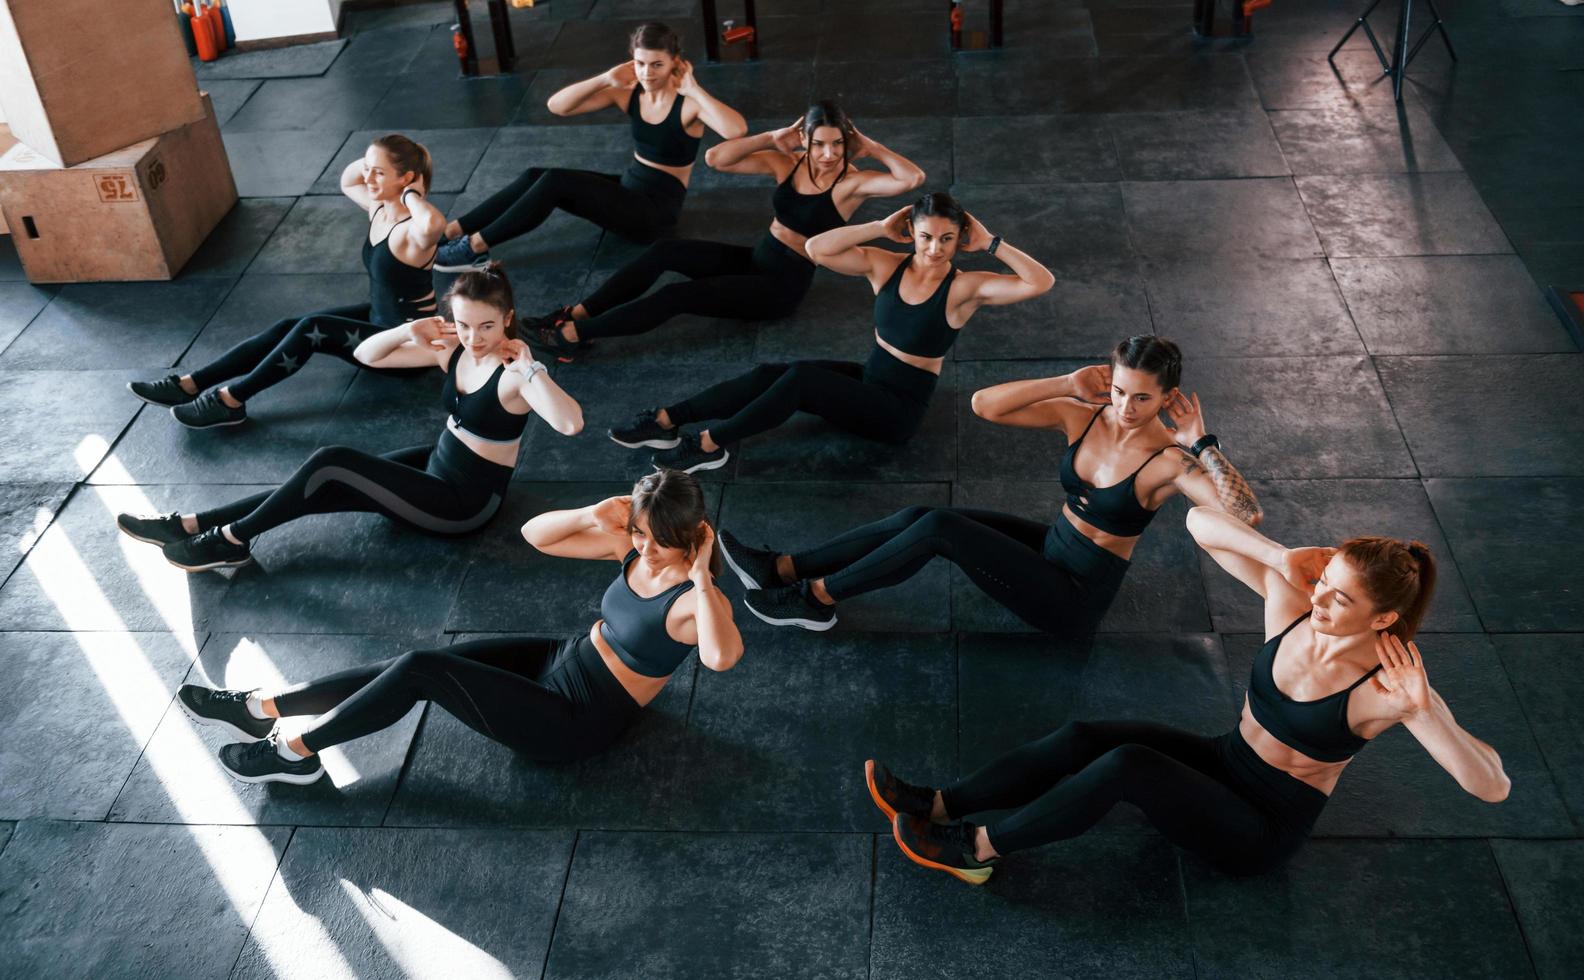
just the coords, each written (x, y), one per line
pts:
(1279, 417)
(1161, 591)
(280, 164)
(796, 719)
(84, 575)
(372, 896)
(163, 901)
(1170, 84)
(875, 36)
(1302, 79)
(1073, 229)
(1110, 905)
(230, 248)
(384, 52)
(258, 301)
(109, 324)
(1083, 315)
(796, 517)
(229, 95)
(995, 452)
(870, 89)
(10, 262)
(1327, 512)
(332, 102)
(1363, 140)
(1542, 881)
(1533, 435)
(26, 509)
(288, 62)
(1514, 540)
(1250, 307)
(1196, 145)
(1391, 214)
(1220, 219)
(667, 898)
(424, 101)
(65, 422)
(84, 704)
(1447, 304)
(320, 235)
(997, 83)
(1544, 670)
(1393, 788)
(178, 778)
(454, 153)
(1050, 149)
(1319, 916)
(20, 303)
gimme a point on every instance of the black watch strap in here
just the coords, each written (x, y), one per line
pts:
(1204, 442)
(995, 243)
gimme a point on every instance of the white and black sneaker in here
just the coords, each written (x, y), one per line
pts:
(755, 566)
(167, 392)
(646, 432)
(162, 529)
(208, 411)
(791, 605)
(689, 456)
(457, 255)
(261, 762)
(206, 550)
(223, 709)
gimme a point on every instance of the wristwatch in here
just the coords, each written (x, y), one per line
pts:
(1202, 443)
(995, 243)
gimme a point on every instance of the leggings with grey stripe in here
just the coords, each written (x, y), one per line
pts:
(448, 489)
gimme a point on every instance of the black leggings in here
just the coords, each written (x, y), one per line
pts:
(884, 399)
(444, 489)
(1213, 797)
(271, 356)
(760, 283)
(1052, 582)
(637, 204)
(550, 700)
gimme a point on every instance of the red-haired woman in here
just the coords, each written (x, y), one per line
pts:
(1338, 668)
(389, 183)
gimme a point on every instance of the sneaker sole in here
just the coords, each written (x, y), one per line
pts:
(275, 777)
(226, 726)
(212, 565)
(149, 401)
(976, 876)
(709, 464)
(467, 267)
(818, 626)
(647, 443)
(747, 580)
(138, 537)
(874, 792)
(211, 425)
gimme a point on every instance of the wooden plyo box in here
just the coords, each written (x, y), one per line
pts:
(82, 78)
(138, 213)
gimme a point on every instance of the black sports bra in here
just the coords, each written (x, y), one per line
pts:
(398, 292)
(480, 411)
(920, 330)
(1114, 509)
(806, 214)
(635, 626)
(666, 142)
(1318, 729)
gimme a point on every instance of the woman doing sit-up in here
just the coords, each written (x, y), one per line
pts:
(389, 183)
(1339, 666)
(453, 486)
(921, 305)
(1121, 464)
(668, 109)
(817, 189)
(552, 700)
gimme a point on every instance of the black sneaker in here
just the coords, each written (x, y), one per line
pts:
(893, 796)
(755, 566)
(944, 847)
(258, 762)
(689, 456)
(167, 392)
(645, 431)
(791, 605)
(206, 550)
(550, 342)
(207, 411)
(223, 709)
(152, 530)
(457, 255)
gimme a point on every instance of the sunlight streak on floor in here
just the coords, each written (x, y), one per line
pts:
(420, 946)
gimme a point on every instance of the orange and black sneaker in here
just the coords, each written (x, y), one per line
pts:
(944, 847)
(893, 796)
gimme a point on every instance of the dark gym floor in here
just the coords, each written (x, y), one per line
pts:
(1357, 289)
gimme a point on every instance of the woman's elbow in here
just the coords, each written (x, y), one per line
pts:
(712, 157)
(917, 180)
(1044, 283)
(1197, 515)
(1498, 790)
(980, 402)
(571, 425)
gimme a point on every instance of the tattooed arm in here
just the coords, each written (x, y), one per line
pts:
(1211, 480)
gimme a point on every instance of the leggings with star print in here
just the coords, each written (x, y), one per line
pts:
(271, 356)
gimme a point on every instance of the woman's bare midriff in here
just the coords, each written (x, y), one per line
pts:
(1119, 546)
(1321, 775)
(643, 689)
(931, 364)
(501, 453)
